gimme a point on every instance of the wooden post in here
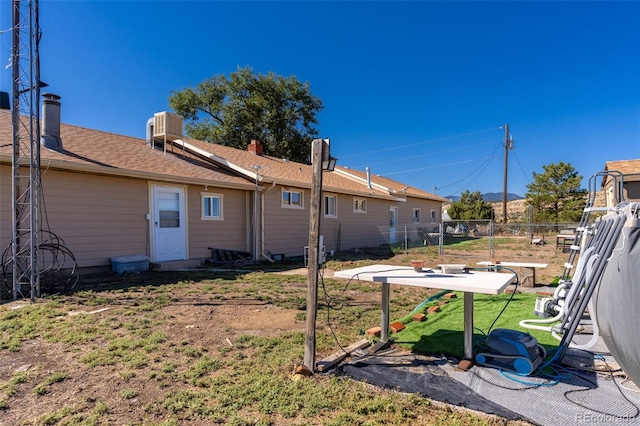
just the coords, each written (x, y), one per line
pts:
(506, 167)
(312, 264)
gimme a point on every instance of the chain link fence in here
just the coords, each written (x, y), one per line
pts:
(480, 238)
(538, 229)
(451, 238)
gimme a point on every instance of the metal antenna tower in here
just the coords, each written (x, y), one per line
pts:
(25, 116)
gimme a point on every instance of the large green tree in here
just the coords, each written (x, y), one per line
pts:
(231, 110)
(470, 206)
(555, 195)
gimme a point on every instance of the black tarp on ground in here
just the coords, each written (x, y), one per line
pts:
(412, 373)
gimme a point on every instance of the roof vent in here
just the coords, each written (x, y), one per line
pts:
(167, 125)
(51, 122)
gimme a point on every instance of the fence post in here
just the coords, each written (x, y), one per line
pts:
(441, 239)
(406, 240)
(491, 239)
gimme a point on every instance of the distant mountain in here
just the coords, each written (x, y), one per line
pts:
(497, 196)
(490, 197)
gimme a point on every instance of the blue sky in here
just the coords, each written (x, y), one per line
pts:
(418, 91)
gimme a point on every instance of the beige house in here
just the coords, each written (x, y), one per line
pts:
(108, 195)
(358, 209)
(172, 198)
(621, 181)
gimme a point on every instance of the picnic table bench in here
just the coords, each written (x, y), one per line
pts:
(565, 241)
(529, 280)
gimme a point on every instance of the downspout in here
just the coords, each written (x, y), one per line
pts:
(255, 218)
(264, 254)
(247, 218)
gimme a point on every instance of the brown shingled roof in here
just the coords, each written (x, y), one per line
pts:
(288, 172)
(102, 152)
(401, 190)
(630, 170)
(107, 153)
(624, 166)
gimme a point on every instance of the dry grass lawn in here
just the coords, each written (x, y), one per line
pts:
(210, 347)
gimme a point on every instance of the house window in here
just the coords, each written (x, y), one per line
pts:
(359, 205)
(330, 206)
(212, 206)
(291, 199)
(432, 217)
(416, 216)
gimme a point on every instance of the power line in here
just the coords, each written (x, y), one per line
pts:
(427, 168)
(466, 187)
(426, 155)
(527, 178)
(530, 153)
(418, 143)
(479, 169)
(514, 180)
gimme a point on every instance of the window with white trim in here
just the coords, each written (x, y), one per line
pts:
(359, 205)
(292, 199)
(211, 206)
(415, 217)
(330, 206)
(433, 218)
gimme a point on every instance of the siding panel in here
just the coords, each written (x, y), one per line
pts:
(286, 230)
(228, 233)
(6, 229)
(100, 217)
(368, 229)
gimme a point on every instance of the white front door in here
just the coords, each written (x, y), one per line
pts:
(169, 227)
(393, 225)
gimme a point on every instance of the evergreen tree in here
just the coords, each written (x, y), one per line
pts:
(555, 195)
(470, 206)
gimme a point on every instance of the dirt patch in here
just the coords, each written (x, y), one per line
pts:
(213, 325)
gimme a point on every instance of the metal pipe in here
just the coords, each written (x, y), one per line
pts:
(262, 250)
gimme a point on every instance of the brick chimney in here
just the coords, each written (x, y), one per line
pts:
(256, 147)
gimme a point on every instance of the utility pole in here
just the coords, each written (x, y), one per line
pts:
(321, 159)
(508, 144)
(312, 265)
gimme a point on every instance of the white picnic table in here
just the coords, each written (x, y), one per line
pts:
(529, 265)
(469, 283)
